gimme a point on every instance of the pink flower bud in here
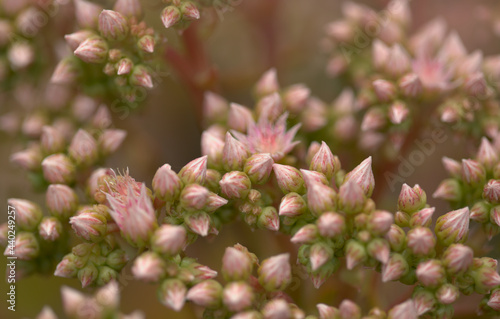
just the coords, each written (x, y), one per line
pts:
(363, 176)
(319, 255)
(235, 185)
(102, 118)
(172, 294)
(295, 97)
(198, 222)
(351, 197)
(83, 148)
(320, 198)
(238, 296)
(50, 228)
(327, 312)
(269, 219)
(58, 168)
(52, 140)
(398, 112)
(89, 224)
(194, 171)
(480, 212)
(292, 205)
(28, 214)
(113, 25)
(62, 201)
(312, 177)
(396, 238)
(355, 254)
(74, 301)
(267, 84)
(473, 172)
(411, 199)
(141, 77)
(87, 13)
(424, 300)
(166, 183)
(311, 151)
(491, 191)
(207, 293)
(275, 273)
(449, 190)
(203, 272)
(331, 225)
(170, 16)
(405, 310)
(453, 227)
(110, 140)
(215, 107)
(395, 268)
(129, 8)
(398, 61)
(117, 259)
(452, 167)
(214, 202)
(169, 239)
(194, 197)
(25, 247)
(258, 167)
(92, 50)
(125, 66)
(379, 249)
(410, 85)
(190, 11)
(212, 146)
(325, 162)
(380, 222)
(422, 218)
(239, 117)
(148, 267)
(147, 43)
(457, 258)
(485, 279)
(447, 294)
(380, 54)
(66, 268)
(236, 265)
(486, 154)
(421, 241)
(494, 301)
(430, 273)
(234, 154)
(65, 72)
(28, 159)
(495, 215)
(384, 90)
(305, 235)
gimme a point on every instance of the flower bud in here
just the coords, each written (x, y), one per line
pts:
(430, 273)
(384, 90)
(25, 247)
(374, 119)
(198, 222)
(238, 296)
(28, 214)
(88, 275)
(62, 201)
(74, 39)
(110, 140)
(449, 190)
(351, 197)
(239, 117)
(289, 178)
(52, 140)
(395, 268)
(194, 197)
(319, 255)
(170, 16)
(320, 198)
(269, 219)
(236, 265)
(411, 199)
(258, 167)
(486, 154)
(494, 300)
(148, 267)
(172, 294)
(295, 97)
(194, 171)
(305, 235)
(495, 216)
(452, 167)
(66, 267)
(480, 212)
(485, 279)
(214, 202)
(28, 159)
(355, 254)
(141, 77)
(457, 258)
(147, 43)
(113, 25)
(129, 8)
(424, 300)
(234, 154)
(267, 84)
(401, 219)
(58, 168)
(422, 218)
(190, 11)
(87, 13)
(125, 66)
(207, 293)
(399, 61)
(325, 162)
(117, 259)
(169, 239)
(92, 50)
(275, 273)
(421, 241)
(396, 238)
(276, 308)
(398, 112)
(235, 185)
(473, 172)
(327, 312)
(363, 176)
(212, 146)
(405, 310)
(453, 227)
(380, 54)
(331, 225)
(491, 191)
(89, 225)
(166, 183)
(83, 148)
(447, 294)
(380, 222)
(476, 85)
(312, 177)
(410, 85)
(50, 229)
(379, 249)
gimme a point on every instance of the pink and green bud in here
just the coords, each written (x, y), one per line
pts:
(276, 308)
(305, 235)
(148, 267)
(239, 117)
(194, 171)
(89, 225)
(110, 140)
(399, 61)
(374, 119)
(92, 50)
(422, 218)
(234, 154)
(363, 176)
(141, 77)
(26, 247)
(292, 205)
(411, 199)
(58, 169)
(351, 197)
(258, 167)
(430, 273)
(289, 178)
(106, 275)
(476, 84)
(327, 312)
(67, 267)
(348, 309)
(325, 162)
(355, 254)
(495, 215)
(275, 273)
(401, 219)
(198, 222)
(147, 43)
(453, 227)
(410, 85)
(236, 265)
(194, 197)
(480, 212)
(380, 54)
(237, 296)
(491, 191)
(421, 241)
(87, 13)
(405, 310)
(385, 90)
(214, 202)
(28, 214)
(396, 238)
(52, 140)
(449, 190)
(447, 294)
(170, 16)
(267, 84)
(88, 275)
(74, 39)
(65, 72)
(313, 177)
(29, 159)
(424, 300)
(172, 294)
(379, 249)
(166, 184)
(295, 97)
(320, 199)
(398, 112)
(215, 108)
(73, 301)
(331, 225)
(473, 172)
(452, 167)
(117, 259)
(50, 229)
(380, 222)
(212, 146)
(269, 219)
(169, 239)
(125, 66)
(319, 255)
(83, 148)
(202, 272)
(113, 25)
(189, 11)
(494, 300)
(207, 293)
(395, 268)
(487, 155)
(485, 279)
(457, 258)
(235, 185)
(61, 200)
(129, 8)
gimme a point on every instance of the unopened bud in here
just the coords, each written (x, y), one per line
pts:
(486, 154)
(26, 247)
(87, 13)
(276, 308)
(379, 249)
(331, 225)
(275, 273)
(395, 268)
(396, 238)
(147, 43)
(28, 159)
(190, 11)
(421, 241)
(485, 279)
(194, 171)
(447, 294)
(129, 8)
(238, 296)
(148, 267)
(355, 253)
(27, 213)
(480, 212)
(327, 312)
(305, 235)
(405, 310)
(141, 77)
(494, 301)
(236, 265)
(453, 227)
(320, 198)
(169, 239)
(430, 273)
(258, 167)
(473, 172)
(449, 190)
(380, 222)
(170, 16)
(325, 162)
(295, 97)
(194, 197)
(113, 25)
(363, 176)
(92, 50)
(89, 225)
(411, 199)
(83, 148)
(212, 146)
(52, 140)
(235, 185)
(234, 154)
(267, 84)
(125, 66)
(351, 197)
(58, 168)
(198, 222)
(50, 228)
(239, 117)
(422, 218)
(172, 294)
(410, 85)
(62, 201)
(384, 90)
(457, 258)
(348, 309)
(110, 140)
(269, 219)
(289, 178)
(491, 191)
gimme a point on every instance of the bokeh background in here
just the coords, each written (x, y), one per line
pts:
(249, 39)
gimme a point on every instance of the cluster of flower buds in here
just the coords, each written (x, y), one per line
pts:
(179, 13)
(111, 43)
(475, 183)
(103, 304)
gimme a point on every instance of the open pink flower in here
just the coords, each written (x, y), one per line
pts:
(267, 137)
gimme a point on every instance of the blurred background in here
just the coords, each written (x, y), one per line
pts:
(251, 37)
